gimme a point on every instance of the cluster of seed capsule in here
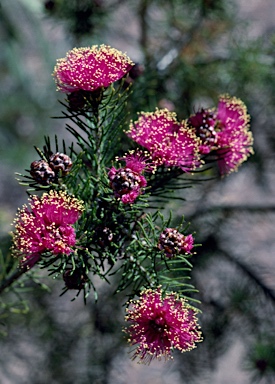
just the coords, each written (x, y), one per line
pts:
(124, 181)
(174, 243)
(46, 172)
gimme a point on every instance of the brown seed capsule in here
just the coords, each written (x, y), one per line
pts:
(124, 181)
(42, 172)
(77, 100)
(135, 72)
(75, 279)
(60, 162)
(171, 241)
(103, 236)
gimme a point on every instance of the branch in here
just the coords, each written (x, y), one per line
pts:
(10, 280)
(142, 13)
(230, 208)
(252, 275)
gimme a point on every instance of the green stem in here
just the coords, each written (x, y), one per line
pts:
(10, 280)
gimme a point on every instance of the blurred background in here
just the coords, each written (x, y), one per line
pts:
(189, 52)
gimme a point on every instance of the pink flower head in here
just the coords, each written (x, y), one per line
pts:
(160, 323)
(46, 226)
(234, 140)
(226, 131)
(139, 161)
(57, 207)
(90, 68)
(128, 182)
(173, 243)
(232, 114)
(234, 148)
(169, 142)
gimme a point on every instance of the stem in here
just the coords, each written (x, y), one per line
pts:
(252, 275)
(142, 13)
(97, 133)
(227, 209)
(98, 139)
(10, 280)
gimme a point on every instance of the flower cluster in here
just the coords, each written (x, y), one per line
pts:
(46, 226)
(224, 130)
(90, 68)
(169, 142)
(161, 323)
(173, 243)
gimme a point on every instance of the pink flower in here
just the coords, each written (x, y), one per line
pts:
(57, 207)
(160, 323)
(139, 161)
(174, 243)
(128, 182)
(90, 68)
(226, 131)
(234, 148)
(169, 142)
(232, 114)
(46, 226)
(233, 136)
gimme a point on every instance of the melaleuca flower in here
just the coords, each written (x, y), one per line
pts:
(46, 226)
(225, 130)
(90, 68)
(169, 142)
(234, 149)
(139, 161)
(128, 182)
(160, 323)
(173, 243)
(233, 136)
